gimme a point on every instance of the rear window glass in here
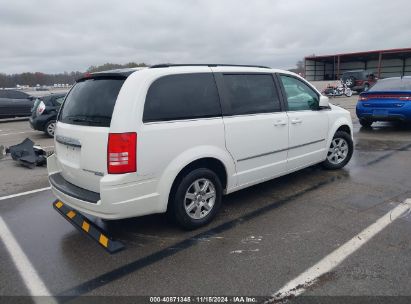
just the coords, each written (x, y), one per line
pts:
(396, 84)
(91, 102)
(182, 96)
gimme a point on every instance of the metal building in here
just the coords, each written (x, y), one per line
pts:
(384, 63)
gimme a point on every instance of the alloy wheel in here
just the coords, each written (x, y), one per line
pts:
(200, 198)
(338, 151)
(50, 128)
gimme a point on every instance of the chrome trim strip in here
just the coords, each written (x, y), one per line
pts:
(68, 141)
(282, 150)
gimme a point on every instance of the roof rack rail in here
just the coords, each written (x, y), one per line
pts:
(167, 65)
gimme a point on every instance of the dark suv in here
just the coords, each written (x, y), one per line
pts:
(359, 80)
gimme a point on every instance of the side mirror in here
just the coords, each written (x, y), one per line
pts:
(324, 102)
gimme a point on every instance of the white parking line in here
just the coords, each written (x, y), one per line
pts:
(309, 277)
(33, 282)
(23, 193)
(18, 133)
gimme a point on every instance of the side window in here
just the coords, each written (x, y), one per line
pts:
(299, 95)
(251, 93)
(182, 96)
(3, 94)
(58, 101)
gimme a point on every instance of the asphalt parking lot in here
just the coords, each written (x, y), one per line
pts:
(312, 233)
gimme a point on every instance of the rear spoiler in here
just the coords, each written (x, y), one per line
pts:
(116, 74)
(101, 76)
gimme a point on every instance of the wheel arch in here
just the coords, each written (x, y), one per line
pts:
(343, 123)
(345, 128)
(217, 160)
(211, 163)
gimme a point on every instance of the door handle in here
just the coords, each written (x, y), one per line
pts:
(280, 123)
(296, 121)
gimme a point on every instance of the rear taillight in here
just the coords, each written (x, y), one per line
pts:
(386, 96)
(121, 153)
(40, 108)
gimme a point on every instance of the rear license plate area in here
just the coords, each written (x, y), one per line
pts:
(380, 113)
(71, 154)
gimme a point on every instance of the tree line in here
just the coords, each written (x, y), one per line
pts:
(38, 78)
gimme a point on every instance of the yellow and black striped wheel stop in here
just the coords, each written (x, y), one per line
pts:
(83, 224)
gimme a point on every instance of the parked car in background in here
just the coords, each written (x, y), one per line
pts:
(15, 103)
(177, 138)
(44, 113)
(388, 100)
(43, 88)
(359, 80)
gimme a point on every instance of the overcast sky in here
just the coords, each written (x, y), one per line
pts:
(56, 36)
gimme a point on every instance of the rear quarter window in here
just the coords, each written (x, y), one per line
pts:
(91, 102)
(182, 96)
(58, 101)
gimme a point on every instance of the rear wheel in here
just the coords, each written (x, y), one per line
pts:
(196, 198)
(340, 151)
(365, 123)
(50, 128)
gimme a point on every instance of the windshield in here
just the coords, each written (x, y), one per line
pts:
(394, 84)
(91, 102)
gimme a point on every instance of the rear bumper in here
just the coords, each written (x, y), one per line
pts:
(60, 184)
(116, 200)
(391, 114)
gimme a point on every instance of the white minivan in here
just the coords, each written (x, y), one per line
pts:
(176, 138)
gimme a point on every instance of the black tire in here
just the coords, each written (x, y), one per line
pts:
(331, 165)
(350, 81)
(365, 122)
(48, 129)
(178, 201)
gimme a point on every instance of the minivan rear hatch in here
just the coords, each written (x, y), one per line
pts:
(83, 127)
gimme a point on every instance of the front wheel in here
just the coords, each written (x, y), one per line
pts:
(196, 199)
(340, 151)
(348, 92)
